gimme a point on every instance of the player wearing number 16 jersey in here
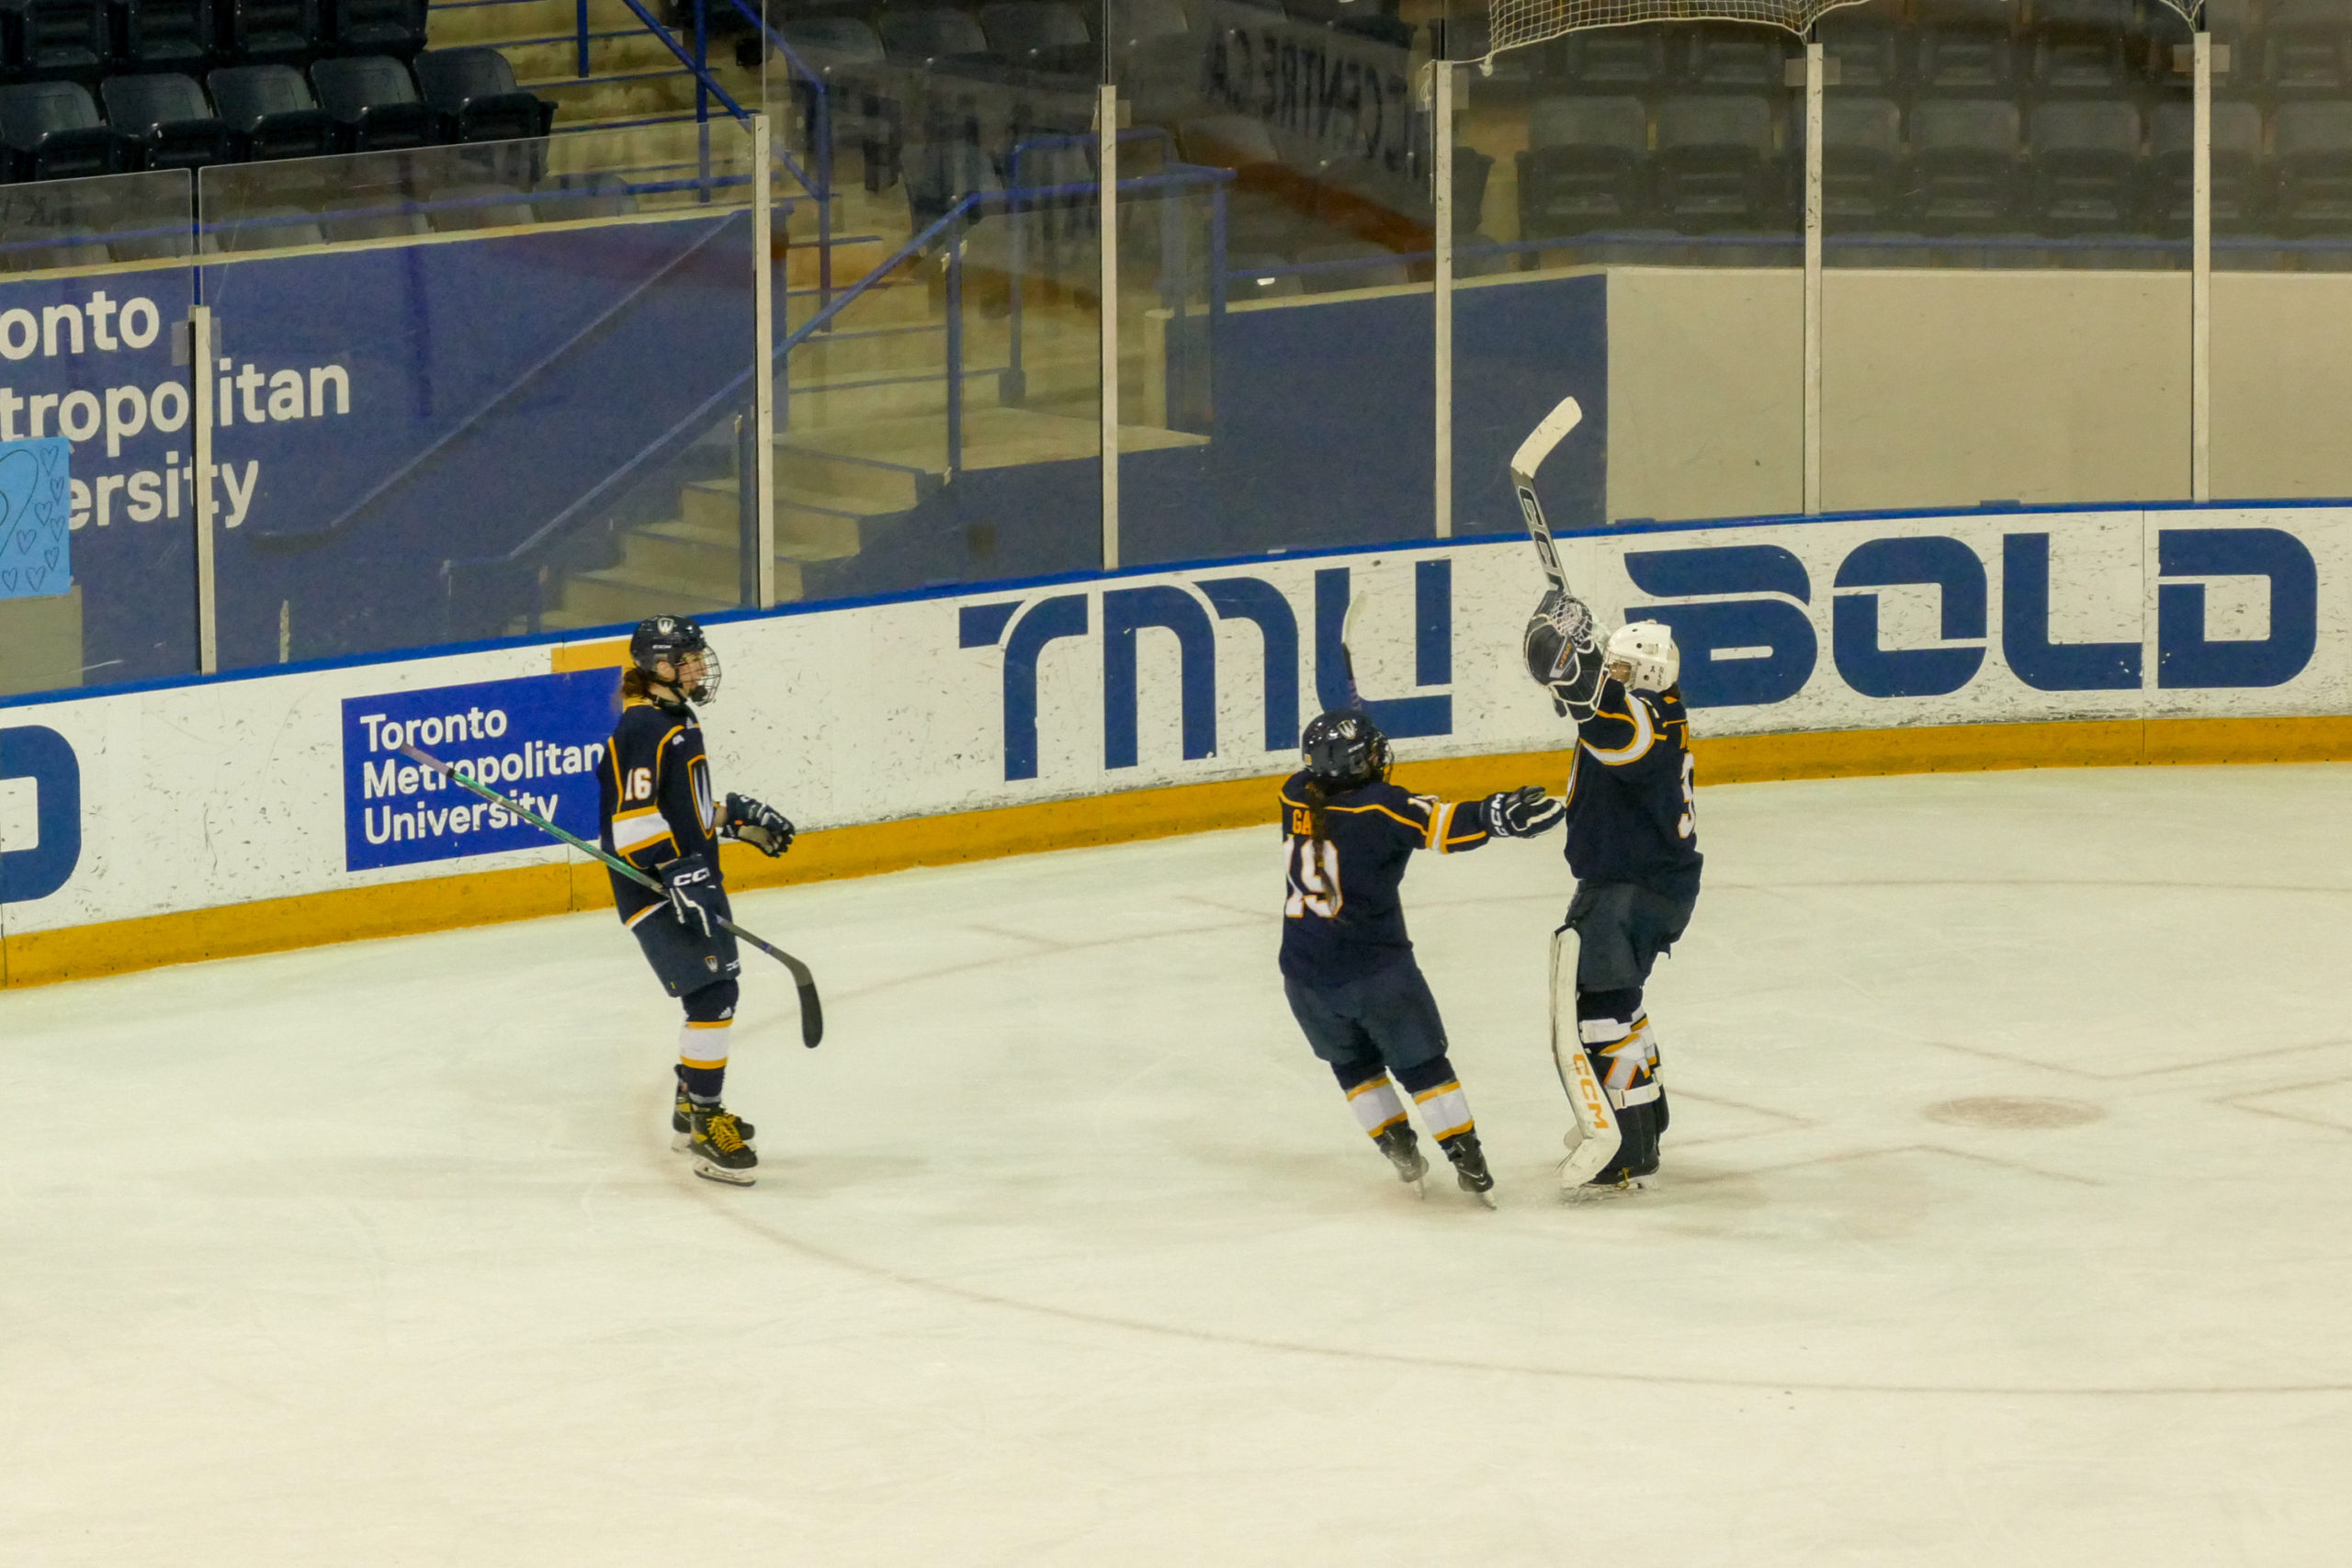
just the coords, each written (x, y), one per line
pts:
(1347, 963)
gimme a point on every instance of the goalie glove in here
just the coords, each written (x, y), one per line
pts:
(1564, 653)
(763, 828)
(1525, 812)
(694, 892)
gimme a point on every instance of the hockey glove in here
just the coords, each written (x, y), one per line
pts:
(1525, 812)
(694, 891)
(763, 828)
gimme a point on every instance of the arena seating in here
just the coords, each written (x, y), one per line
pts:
(168, 120)
(375, 101)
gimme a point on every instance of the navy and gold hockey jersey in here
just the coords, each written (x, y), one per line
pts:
(1632, 814)
(1343, 914)
(655, 798)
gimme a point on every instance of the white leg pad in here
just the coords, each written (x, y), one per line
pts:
(1594, 1139)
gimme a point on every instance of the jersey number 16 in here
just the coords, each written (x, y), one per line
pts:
(1313, 867)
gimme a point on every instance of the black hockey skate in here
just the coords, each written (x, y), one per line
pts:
(1403, 1152)
(720, 1151)
(1470, 1166)
(682, 1125)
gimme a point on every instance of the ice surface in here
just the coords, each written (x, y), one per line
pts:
(1066, 1251)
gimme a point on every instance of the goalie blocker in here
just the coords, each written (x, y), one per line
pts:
(1633, 845)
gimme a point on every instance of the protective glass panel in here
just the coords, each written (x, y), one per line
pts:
(2282, 249)
(940, 421)
(472, 392)
(1636, 186)
(1309, 376)
(2005, 300)
(97, 541)
(1168, 507)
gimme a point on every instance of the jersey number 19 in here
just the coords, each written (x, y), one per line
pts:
(1313, 867)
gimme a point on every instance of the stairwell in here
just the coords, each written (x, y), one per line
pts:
(862, 419)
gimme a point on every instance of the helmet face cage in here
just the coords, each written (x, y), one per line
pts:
(1646, 649)
(678, 642)
(1344, 748)
(1563, 653)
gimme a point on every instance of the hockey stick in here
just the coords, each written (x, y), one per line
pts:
(813, 1013)
(1348, 651)
(1598, 1137)
(1523, 464)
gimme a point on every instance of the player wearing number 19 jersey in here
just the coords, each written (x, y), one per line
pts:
(1347, 963)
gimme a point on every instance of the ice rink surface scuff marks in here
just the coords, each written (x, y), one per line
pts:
(2004, 1221)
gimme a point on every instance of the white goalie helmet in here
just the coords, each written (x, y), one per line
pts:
(1646, 651)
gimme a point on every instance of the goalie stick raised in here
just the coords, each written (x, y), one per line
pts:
(1597, 1137)
(1523, 464)
(813, 1013)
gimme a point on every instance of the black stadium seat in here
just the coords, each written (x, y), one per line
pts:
(52, 132)
(1863, 188)
(474, 92)
(56, 37)
(2085, 166)
(1585, 169)
(2307, 47)
(372, 97)
(1964, 46)
(167, 35)
(257, 31)
(1965, 164)
(1716, 166)
(1616, 59)
(270, 110)
(377, 27)
(1868, 47)
(2083, 46)
(926, 37)
(2170, 174)
(1735, 56)
(1042, 34)
(166, 117)
(2313, 145)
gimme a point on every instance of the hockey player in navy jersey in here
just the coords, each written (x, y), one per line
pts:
(1347, 963)
(659, 813)
(1633, 844)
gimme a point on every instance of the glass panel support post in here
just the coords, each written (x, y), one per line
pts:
(1813, 74)
(201, 383)
(1107, 132)
(2201, 273)
(761, 478)
(1441, 287)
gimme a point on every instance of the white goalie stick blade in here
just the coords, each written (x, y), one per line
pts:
(1597, 1137)
(1523, 464)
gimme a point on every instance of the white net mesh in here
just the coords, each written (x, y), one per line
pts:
(1516, 23)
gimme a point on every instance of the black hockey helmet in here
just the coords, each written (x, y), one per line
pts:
(1564, 654)
(1345, 750)
(678, 642)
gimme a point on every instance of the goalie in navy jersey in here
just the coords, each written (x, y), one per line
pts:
(659, 813)
(1347, 963)
(1633, 844)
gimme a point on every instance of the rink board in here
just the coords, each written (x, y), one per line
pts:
(243, 814)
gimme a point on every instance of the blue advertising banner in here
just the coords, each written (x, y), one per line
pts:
(537, 739)
(86, 365)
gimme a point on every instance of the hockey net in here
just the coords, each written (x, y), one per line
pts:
(1517, 23)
